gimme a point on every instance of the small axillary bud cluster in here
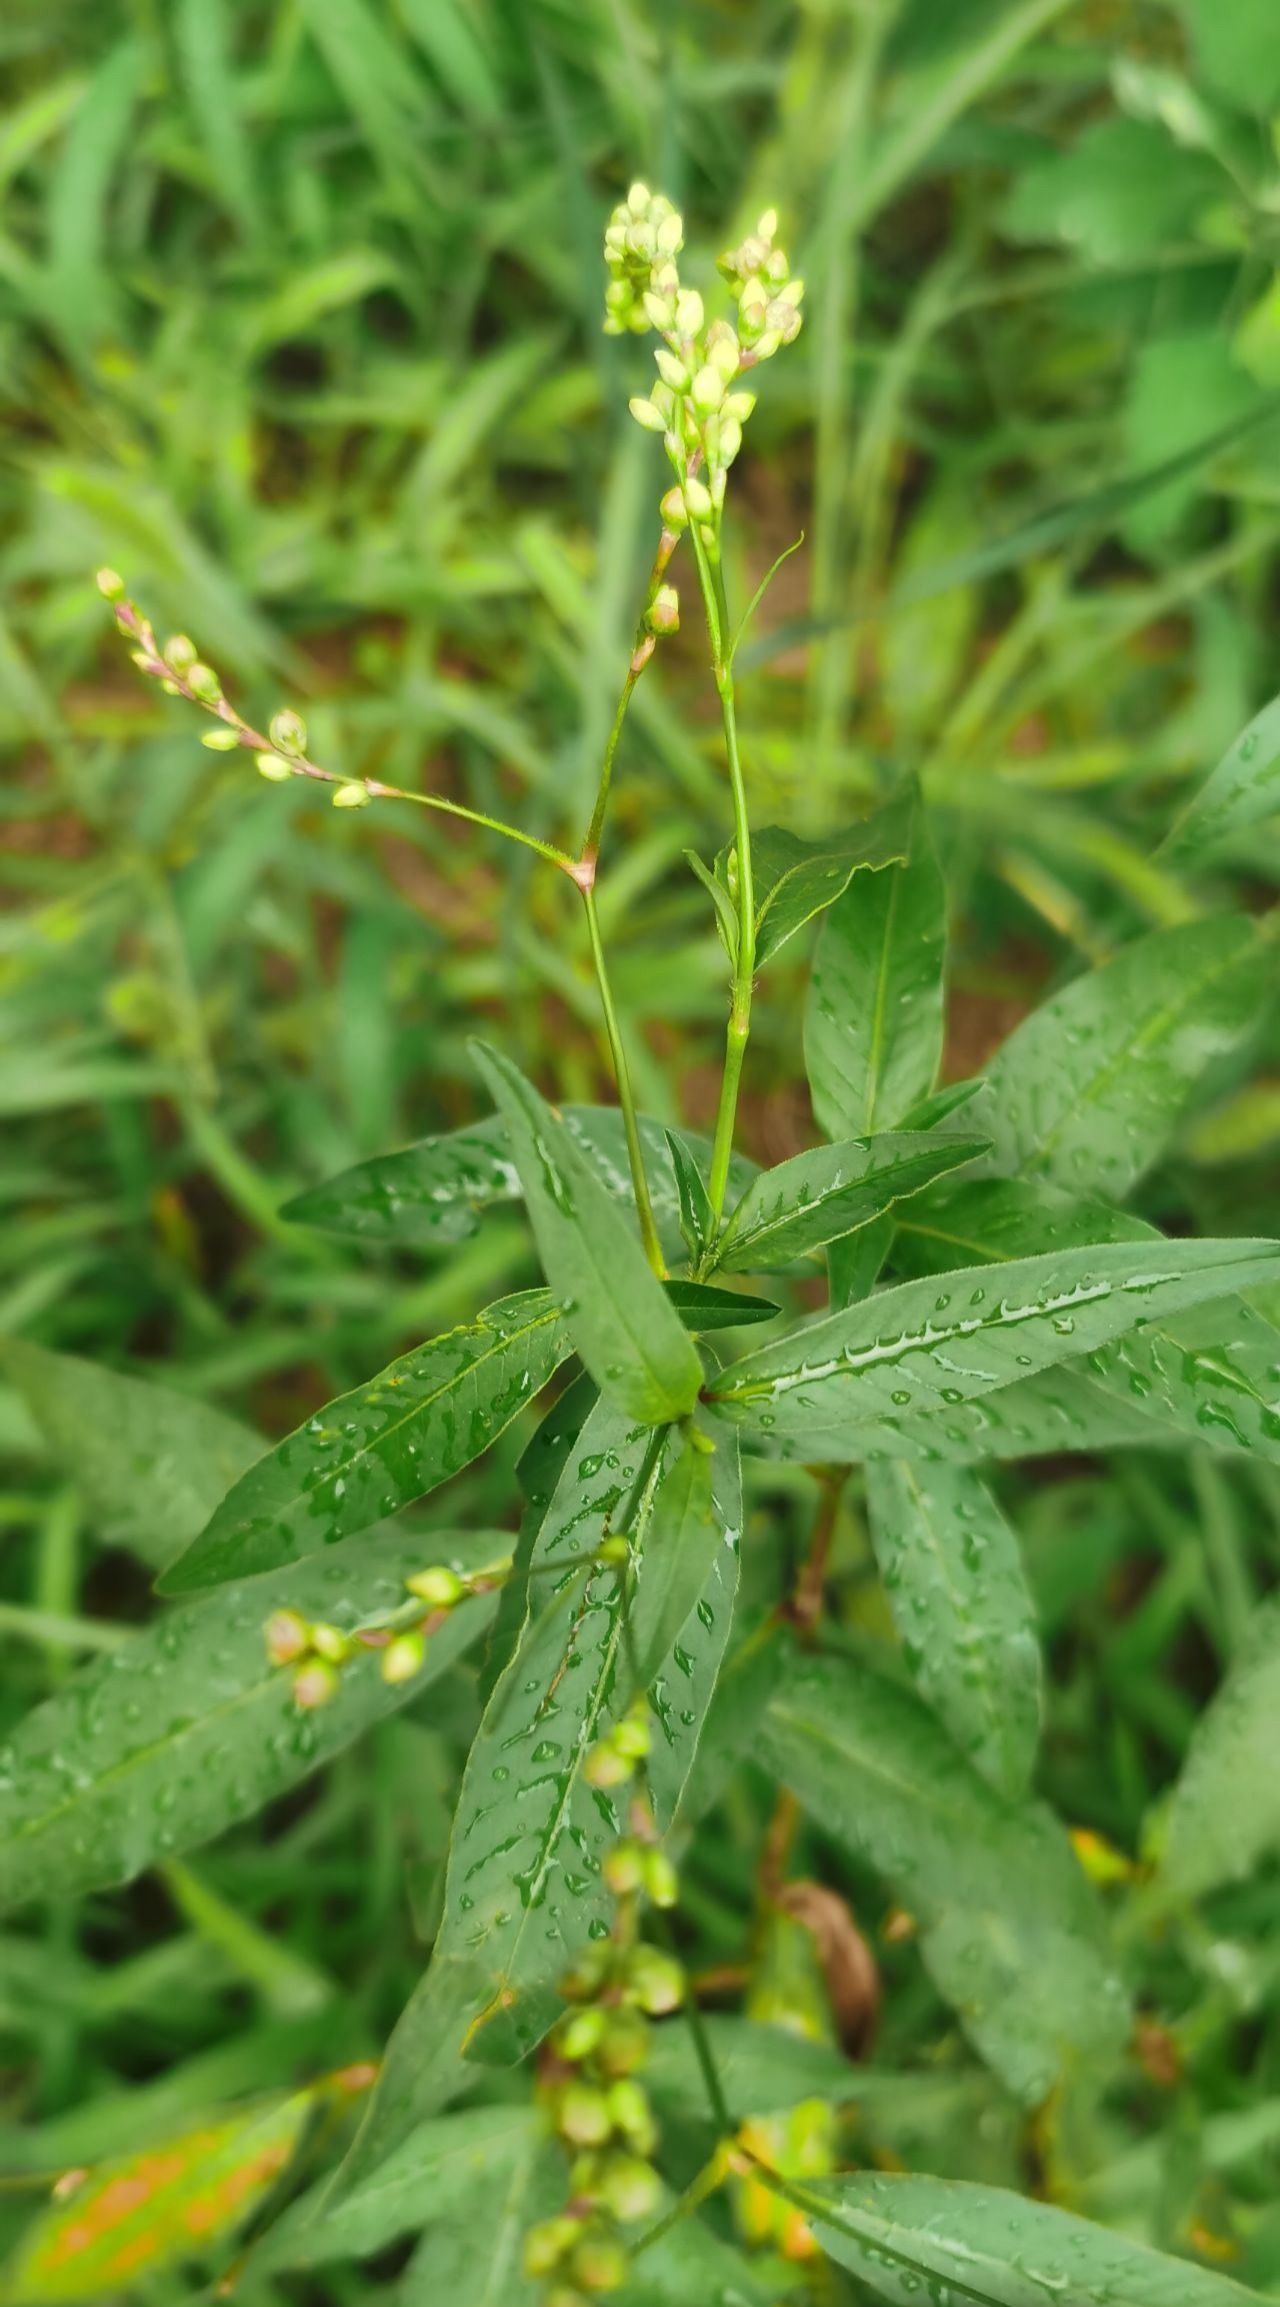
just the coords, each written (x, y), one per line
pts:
(698, 404)
(317, 1651)
(588, 2079)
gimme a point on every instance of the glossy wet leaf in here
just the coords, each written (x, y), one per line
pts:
(959, 2245)
(1224, 1816)
(697, 1218)
(1009, 1929)
(817, 1197)
(953, 1574)
(1087, 1090)
(684, 1537)
(702, 1307)
(452, 2162)
(523, 1891)
(796, 879)
(437, 1191)
(420, 1420)
(1239, 792)
(628, 1334)
(175, 1736)
(873, 1011)
(1206, 1376)
(472, 2254)
(151, 1463)
(935, 1343)
(129, 2220)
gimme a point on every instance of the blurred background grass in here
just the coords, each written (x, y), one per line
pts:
(299, 328)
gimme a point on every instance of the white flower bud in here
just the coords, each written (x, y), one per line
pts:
(673, 511)
(725, 354)
(110, 584)
(350, 796)
(671, 234)
(639, 198)
(663, 612)
(793, 293)
(180, 652)
(288, 731)
(707, 390)
(647, 415)
(689, 312)
(660, 310)
(738, 406)
(617, 296)
(777, 268)
(670, 367)
(730, 439)
(270, 766)
(220, 740)
(768, 225)
(204, 683)
(697, 499)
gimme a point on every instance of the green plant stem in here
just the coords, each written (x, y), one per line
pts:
(744, 968)
(626, 1095)
(641, 650)
(544, 849)
(710, 2178)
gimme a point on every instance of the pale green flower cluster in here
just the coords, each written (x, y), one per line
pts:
(698, 403)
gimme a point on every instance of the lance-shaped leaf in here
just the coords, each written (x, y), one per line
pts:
(794, 879)
(909, 2238)
(437, 1191)
(472, 2254)
(683, 1539)
(954, 1578)
(371, 1451)
(932, 1344)
(1207, 1377)
(131, 2219)
(1055, 1412)
(1010, 1931)
(169, 1740)
(457, 2160)
(1087, 1090)
(873, 1016)
(629, 1335)
(1242, 789)
(151, 1463)
(702, 1308)
(817, 1197)
(523, 1891)
(1225, 1813)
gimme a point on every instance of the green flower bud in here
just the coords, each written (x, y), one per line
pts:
(632, 1735)
(623, 1868)
(631, 2115)
(287, 1637)
(565, 2295)
(689, 312)
(629, 2188)
(599, 2263)
(730, 440)
(581, 2033)
(171, 688)
(647, 414)
(351, 796)
(548, 2244)
(707, 390)
(614, 1549)
(330, 1642)
(605, 1768)
(203, 683)
(403, 1657)
(180, 652)
(776, 268)
(656, 1981)
(624, 2044)
(314, 1685)
(110, 584)
(660, 1878)
(671, 234)
(589, 1973)
(697, 499)
(582, 2115)
(639, 198)
(738, 406)
(725, 354)
(439, 1587)
(673, 511)
(221, 740)
(659, 311)
(270, 766)
(768, 225)
(670, 368)
(663, 612)
(288, 732)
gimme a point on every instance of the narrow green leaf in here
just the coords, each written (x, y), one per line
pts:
(726, 917)
(701, 1307)
(1241, 790)
(472, 2254)
(1009, 1928)
(954, 1578)
(959, 2245)
(181, 1732)
(854, 1262)
(684, 1536)
(763, 2069)
(796, 879)
(436, 1192)
(816, 1197)
(419, 1421)
(452, 2161)
(1225, 1812)
(874, 1011)
(1087, 1090)
(152, 1464)
(935, 1343)
(628, 1335)
(697, 1218)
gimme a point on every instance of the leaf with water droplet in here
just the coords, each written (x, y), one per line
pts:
(371, 1451)
(795, 879)
(817, 1197)
(187, 1728)
(629, 1336)
(954, 1579)
(855, 1377)
(458, 2161)
(1087, 1089)
(910, 2239)
(873, 1012)
(1243, 788)
(1010, 1930)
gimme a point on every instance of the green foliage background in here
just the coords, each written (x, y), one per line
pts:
(299, 326)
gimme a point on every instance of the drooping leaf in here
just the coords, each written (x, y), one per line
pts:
(935, 1343)
(954, 1578)
(1087, 1090)
(795, 879)
(1225, 1813)
(959, 2245)
(453, 2161)
(874, 1011)
(436, 1192)
(131, 2219)
(628, 1334)
(816, 1197)
(472, 2254)
(701, 1307)
(151, 1463)
(1238, 793)
(175, 1736)
(371, 1451)
(1009, 1928)
(854, 1263)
